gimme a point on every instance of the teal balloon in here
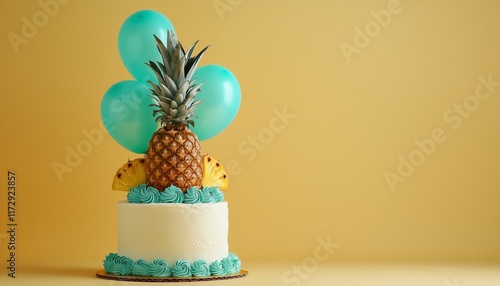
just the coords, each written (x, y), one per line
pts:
(127, 115)
(221, 99)
(136, 43)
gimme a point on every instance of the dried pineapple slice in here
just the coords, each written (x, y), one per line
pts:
(213, 173)
(130, 175)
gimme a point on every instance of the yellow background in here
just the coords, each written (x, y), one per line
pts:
(321, 175)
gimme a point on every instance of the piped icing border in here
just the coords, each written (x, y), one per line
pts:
(122, 265)
(144, 194)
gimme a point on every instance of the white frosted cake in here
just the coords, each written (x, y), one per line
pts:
(174, 222)
(173, 231)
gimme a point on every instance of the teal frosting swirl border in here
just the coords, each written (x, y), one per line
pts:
(122, 265)
(144, 194)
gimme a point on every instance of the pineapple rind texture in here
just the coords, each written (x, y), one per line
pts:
(174, 158)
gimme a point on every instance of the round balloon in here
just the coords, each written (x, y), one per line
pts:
(221, 99)
(137, 45)
(128, 116)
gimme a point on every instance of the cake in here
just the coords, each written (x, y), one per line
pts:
(174, 221)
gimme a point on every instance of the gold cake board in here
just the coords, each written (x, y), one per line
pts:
(102, 274)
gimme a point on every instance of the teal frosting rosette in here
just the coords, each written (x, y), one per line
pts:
(133, 195)
(236, 260)
(212, 195)
(228, 265)
(181, 268)
(159, 267)
(109, 262)
(193, 195)
(216, 268)
(143, 194)
(200, 268)
(149, 195)
(122, 265)
(140, 268)
(172, 194)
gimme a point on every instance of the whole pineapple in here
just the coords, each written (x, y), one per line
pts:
(174, 152)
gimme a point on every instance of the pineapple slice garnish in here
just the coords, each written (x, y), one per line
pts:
(213, 173)
(130, 175)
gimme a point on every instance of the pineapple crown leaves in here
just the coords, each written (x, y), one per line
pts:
(175, 91)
